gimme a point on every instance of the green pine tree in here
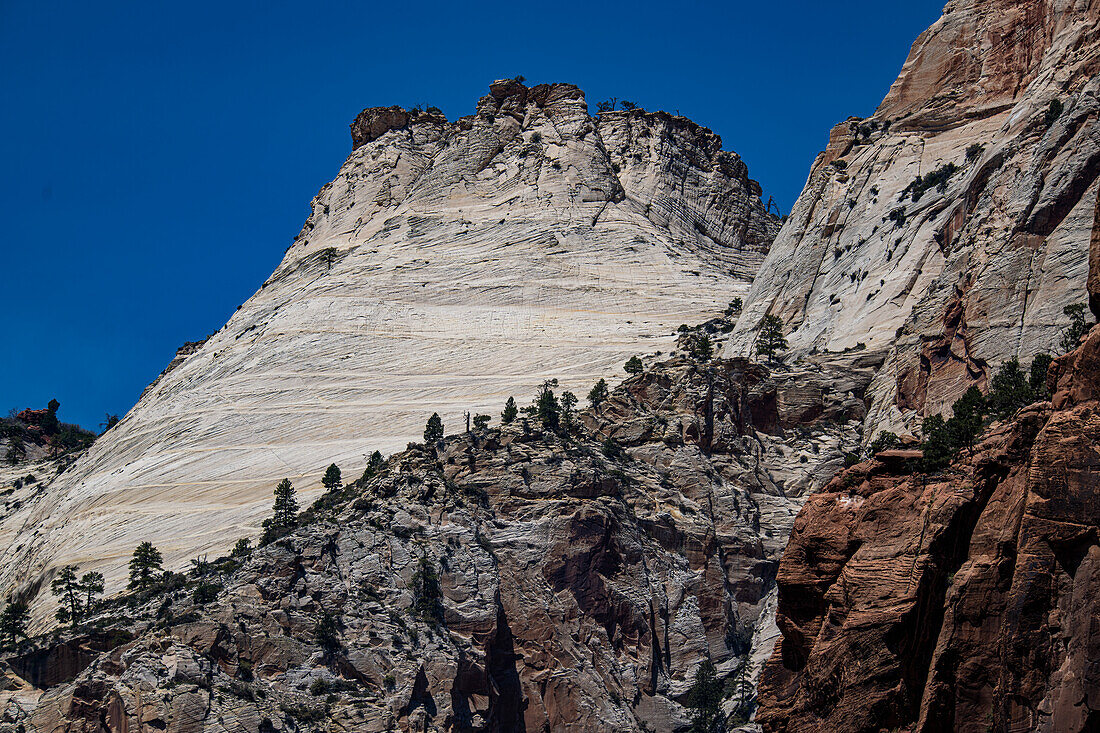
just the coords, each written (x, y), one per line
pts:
(599, 394)
(427, 594)
(285, 510)
(13, 624)
(1037, 376)
(242, 549)
(770, 341)
(144, 566)
(91, 585)
(704, 701)
(1009, 390)
(633, 365)
(331, 480)
(1071, 334)
(373, 464)
(568, 411)
(66, 588)
(510, 411)
(433, 431)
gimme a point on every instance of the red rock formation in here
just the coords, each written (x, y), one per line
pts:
(963, 601)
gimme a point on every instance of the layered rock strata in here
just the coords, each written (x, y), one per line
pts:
(962, 601)
(581, 581)
(447, 266)
(945, 233)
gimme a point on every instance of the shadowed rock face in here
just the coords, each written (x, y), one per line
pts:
(447, 266)
(581, 585)
(963, 601)
(944, 278)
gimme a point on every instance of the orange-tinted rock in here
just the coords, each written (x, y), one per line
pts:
(964, 601)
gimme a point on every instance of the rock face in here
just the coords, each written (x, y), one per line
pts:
(581, 582)
(447, 266)
(964, 601)
(945, 233)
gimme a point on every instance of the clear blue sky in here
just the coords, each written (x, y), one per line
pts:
(157, 158)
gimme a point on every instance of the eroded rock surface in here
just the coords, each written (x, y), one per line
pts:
(945, 233)
(447, 266)
(962, 601)
(583, 581)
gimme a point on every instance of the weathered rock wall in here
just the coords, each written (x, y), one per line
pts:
(945, 277)
(447, 266)
(961, 601)
(582, 582)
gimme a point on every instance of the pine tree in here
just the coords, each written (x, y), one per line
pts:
(546, 407)
(704, 701)
(568, 407)
(66, 588)
(91, 585)
(510, 411)
(633, 365)
(1038, 376)
(599, 394)
(332, 481)
(1071, 335)
(701, 347)
(770, 340)
(427, 595)
(373, 464)
(145, 562)
(481, 422)
(433, 431)
(243, 548)
(13, 624)
(285, 511)
(966, 422)
(1009, 390)
(327, 632)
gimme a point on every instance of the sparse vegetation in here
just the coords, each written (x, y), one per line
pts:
(770, 341)
(510, 411)
(13, 624)
(633, 365)
(883, 441)
(733, 310)
(936, 179)
(704, 701)
(427, 595)
(1071, 335)
(433, 431)
(145, 566)
(598, 394)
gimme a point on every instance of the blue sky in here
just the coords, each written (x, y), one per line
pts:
(159, 157)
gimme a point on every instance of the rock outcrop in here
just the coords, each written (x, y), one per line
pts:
(945, 233)
(447, 266)
(580, 581)
(962, 601)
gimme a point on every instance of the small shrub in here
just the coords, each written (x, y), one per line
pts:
(884, 441)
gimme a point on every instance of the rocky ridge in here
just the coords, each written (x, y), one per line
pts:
(581, 580)
(945, 233)
(958, 601)
(448, 265)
